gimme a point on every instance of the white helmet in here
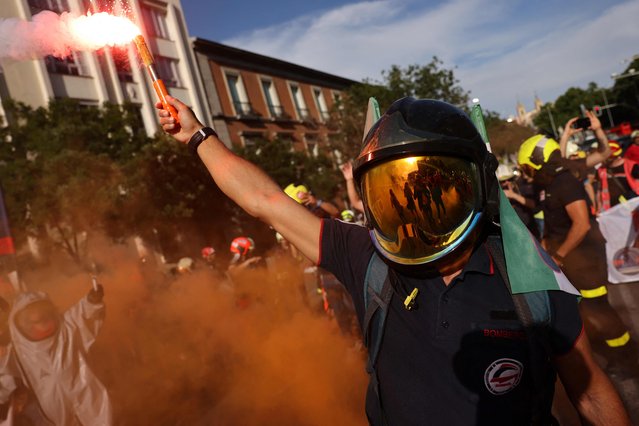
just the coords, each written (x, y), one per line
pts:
(505, 172)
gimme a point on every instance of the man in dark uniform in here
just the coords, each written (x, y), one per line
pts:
(460, 357)
(573, 238)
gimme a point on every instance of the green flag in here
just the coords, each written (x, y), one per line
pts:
(372, 115)
(529, 267)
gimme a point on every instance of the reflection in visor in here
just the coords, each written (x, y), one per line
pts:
(419, 207)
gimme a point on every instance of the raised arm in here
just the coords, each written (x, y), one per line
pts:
(247, 184)
(87, 316)
(565, 136)
(353, 196)
(603, 149)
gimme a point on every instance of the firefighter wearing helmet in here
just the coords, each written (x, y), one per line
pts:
(430, 197)
(243, 258)
(427, 182)
(572, 237)
(241, 247)
(421, 274)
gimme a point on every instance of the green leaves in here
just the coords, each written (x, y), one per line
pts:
(422, 81)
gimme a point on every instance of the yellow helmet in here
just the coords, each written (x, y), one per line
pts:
(535, 151)
(294, 191)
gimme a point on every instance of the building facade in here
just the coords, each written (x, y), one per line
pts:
(253, 97)
(109, 74)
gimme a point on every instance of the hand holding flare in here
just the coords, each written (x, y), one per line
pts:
(158, 84)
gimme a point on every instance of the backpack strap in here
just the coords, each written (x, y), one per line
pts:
(534, 312)
(378, 292)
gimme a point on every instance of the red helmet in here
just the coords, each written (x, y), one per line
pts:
(207, 252)
(615, 149)
(242, 245)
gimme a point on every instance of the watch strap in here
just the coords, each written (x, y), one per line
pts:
(198, 137)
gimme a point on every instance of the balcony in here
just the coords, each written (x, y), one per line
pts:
(278, 114)
(245, 110)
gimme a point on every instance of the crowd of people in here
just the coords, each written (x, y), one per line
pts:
(412, 273)
(445, 346)
(568, 189)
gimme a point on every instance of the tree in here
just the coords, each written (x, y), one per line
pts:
(168, 193)
(286, 166)
(505, 138)
(73, 195)
(431, 81)
(61, 168)
(568, 106)
(626, 90)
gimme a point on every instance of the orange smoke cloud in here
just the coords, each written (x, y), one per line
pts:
(181, 351)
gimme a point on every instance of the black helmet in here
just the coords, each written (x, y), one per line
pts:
(427, 181)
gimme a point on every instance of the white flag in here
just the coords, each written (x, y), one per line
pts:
(622, 245)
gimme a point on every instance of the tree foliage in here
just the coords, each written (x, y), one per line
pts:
(286, 166)
(59, 167)
(626, 90)
(432, 81)
(568, 106)
(69, 170)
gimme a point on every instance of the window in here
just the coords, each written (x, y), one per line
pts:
(272, 100)
(320, 102)
(298, 100)
(168, 71)
(71, 65)
(155, 21)
(238, 94)
(57, 6)
(337, 99)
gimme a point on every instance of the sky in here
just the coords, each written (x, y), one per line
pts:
(501, 51)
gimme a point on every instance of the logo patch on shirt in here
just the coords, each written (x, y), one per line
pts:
(504, 334)
(503, 375)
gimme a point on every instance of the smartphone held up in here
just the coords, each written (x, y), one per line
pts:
(581, 123)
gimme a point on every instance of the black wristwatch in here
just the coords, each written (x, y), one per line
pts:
(198, 137)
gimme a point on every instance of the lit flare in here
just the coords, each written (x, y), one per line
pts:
(102, 29)
(158, 84)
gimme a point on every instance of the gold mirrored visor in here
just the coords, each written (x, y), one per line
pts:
(421, 208)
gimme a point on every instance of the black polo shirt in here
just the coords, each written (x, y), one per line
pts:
(563, 190)
(461, 357)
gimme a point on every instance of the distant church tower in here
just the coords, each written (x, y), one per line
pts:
(538, 104)
(525, 118)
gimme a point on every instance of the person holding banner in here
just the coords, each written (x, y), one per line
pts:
(458, 347)
(572, 237)
(618, 179)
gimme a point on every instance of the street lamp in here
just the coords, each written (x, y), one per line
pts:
(475, 100)
(607, 106)
(631, 73)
